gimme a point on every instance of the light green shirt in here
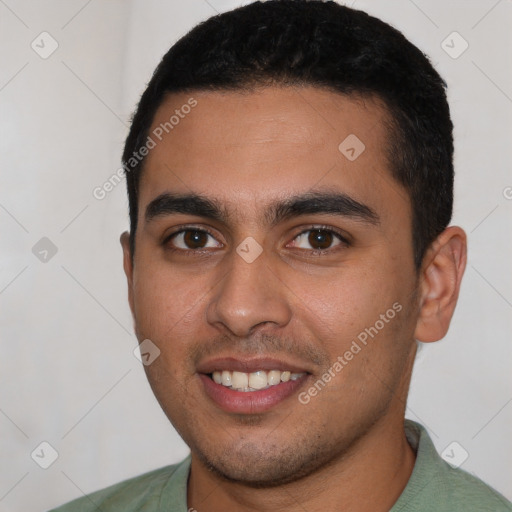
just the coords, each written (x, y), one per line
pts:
(433, 486)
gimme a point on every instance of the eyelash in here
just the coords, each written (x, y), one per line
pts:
(315, 252)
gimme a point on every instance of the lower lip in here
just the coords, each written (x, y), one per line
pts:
(250, 402)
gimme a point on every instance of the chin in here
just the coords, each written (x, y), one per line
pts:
(252, 466)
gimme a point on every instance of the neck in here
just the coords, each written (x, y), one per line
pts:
(369, 478)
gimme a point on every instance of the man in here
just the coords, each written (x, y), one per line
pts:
(290, 177)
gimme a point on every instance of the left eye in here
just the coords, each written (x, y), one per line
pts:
(319, 239)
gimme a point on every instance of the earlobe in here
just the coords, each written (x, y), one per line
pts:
(441, 276)
(127, 260)
(128, 266)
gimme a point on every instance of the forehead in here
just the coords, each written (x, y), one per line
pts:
(246, 148)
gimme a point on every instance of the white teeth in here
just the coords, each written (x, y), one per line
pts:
(226, 378)
(239, 380)
(273, 377)
(254, 381)
(257, 380)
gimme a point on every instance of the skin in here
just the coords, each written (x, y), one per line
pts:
(247, 150)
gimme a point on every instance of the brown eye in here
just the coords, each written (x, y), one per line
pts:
(320, 239)
(192, 239)
(195, 239)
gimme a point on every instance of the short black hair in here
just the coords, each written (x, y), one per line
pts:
(327, 45)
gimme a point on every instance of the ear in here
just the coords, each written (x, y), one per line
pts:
(441, 275)
(128, 267)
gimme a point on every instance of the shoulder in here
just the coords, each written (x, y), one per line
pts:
(436, 485)
(470, 493)
(143, 492)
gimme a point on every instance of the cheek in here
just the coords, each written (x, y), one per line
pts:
(169, 312)
(165, 304)
(341, 305)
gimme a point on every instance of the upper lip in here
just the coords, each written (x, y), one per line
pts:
(248, 365)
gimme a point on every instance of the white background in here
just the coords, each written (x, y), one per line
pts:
(68, 375)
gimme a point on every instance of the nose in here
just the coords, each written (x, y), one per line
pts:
(250, 294)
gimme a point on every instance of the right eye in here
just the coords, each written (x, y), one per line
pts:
(191, 239)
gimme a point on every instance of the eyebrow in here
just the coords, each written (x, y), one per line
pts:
(309, 203)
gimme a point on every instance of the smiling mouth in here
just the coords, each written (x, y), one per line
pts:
(254, 381)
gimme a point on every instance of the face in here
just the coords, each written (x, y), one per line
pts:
(274, 271)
